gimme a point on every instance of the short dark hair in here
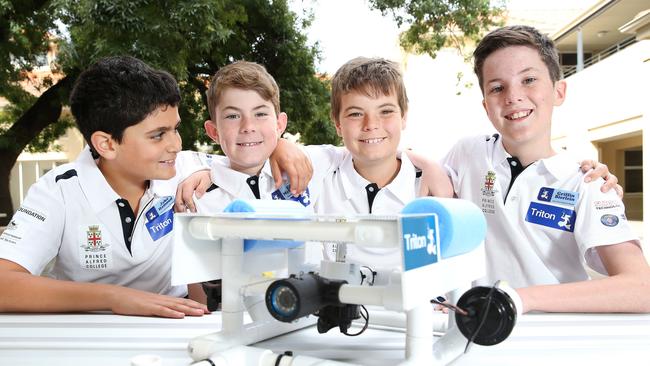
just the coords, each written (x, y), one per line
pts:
(370, 76)
(517, 35)
(118, 92)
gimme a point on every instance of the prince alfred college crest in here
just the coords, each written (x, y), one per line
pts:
(488, 185)
(487, 193)
(94, 242)
(94, 252)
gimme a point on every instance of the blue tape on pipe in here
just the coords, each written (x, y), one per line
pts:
(461, 223)
(272, 207)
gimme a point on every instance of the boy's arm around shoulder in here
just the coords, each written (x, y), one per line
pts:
(325, 158)
(434, 180)
(192, 178)
(290, 160)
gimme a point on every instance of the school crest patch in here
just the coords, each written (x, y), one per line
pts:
(488, 205)
(95, 252)
(488, 184)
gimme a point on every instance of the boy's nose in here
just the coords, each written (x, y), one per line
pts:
(513, 96)
(246, 125)
(176, 143)
(370, 123)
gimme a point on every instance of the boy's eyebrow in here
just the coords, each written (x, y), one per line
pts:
(519, 73)
(381, 106)
(165, 128)
(239, 109)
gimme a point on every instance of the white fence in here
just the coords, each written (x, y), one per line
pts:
(28, 169)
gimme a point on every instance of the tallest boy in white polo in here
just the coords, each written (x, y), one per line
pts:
(544, 221)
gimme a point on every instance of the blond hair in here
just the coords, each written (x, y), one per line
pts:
(370, 76)
(243, 75)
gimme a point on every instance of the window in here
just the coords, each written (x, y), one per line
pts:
(633, 171)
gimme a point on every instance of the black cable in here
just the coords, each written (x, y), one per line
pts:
(488, 299)
(210, 362)
(449, 306)
(279, 358)
(365, 326)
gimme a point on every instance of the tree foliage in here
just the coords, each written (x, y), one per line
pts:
(190, 39)
(434, 24)
(26, 29)
(197, 39)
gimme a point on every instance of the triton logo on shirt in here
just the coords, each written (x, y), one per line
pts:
(161, 225)
(551, 216)
(421, 245)
(547, 194)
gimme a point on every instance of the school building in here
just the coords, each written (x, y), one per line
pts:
(605, 56)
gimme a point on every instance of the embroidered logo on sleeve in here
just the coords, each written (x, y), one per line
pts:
(555, 217)
(547, 194)
(95, 252)
(13, 233)
(607, 205)
(609, 220)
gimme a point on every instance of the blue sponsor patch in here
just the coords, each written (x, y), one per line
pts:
(161, 225)
(609, 220)
(560, 196)
(420, 240)
(551, 216)
(164, 204)
(284, 193)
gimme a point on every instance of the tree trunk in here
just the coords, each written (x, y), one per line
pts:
(5, 198)
(44, 112)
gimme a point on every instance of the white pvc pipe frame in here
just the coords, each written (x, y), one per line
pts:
(225, 347)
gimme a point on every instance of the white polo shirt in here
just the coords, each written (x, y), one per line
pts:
(229, 184)
(345, 192)
(72, 214)
(546, 226)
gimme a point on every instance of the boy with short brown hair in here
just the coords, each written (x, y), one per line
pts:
(544, 221)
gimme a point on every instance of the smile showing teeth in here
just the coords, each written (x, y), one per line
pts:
(373, 141)
(518, 115)
(167, 161)
(249, 144)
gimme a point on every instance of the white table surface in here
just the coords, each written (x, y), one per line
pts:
(104, 339)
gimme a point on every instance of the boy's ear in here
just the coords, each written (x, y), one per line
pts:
(404, 119)
(211, 130)
(104, 144)
(560, 92)
(282, 123)
(337, 124)
(485, 106)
